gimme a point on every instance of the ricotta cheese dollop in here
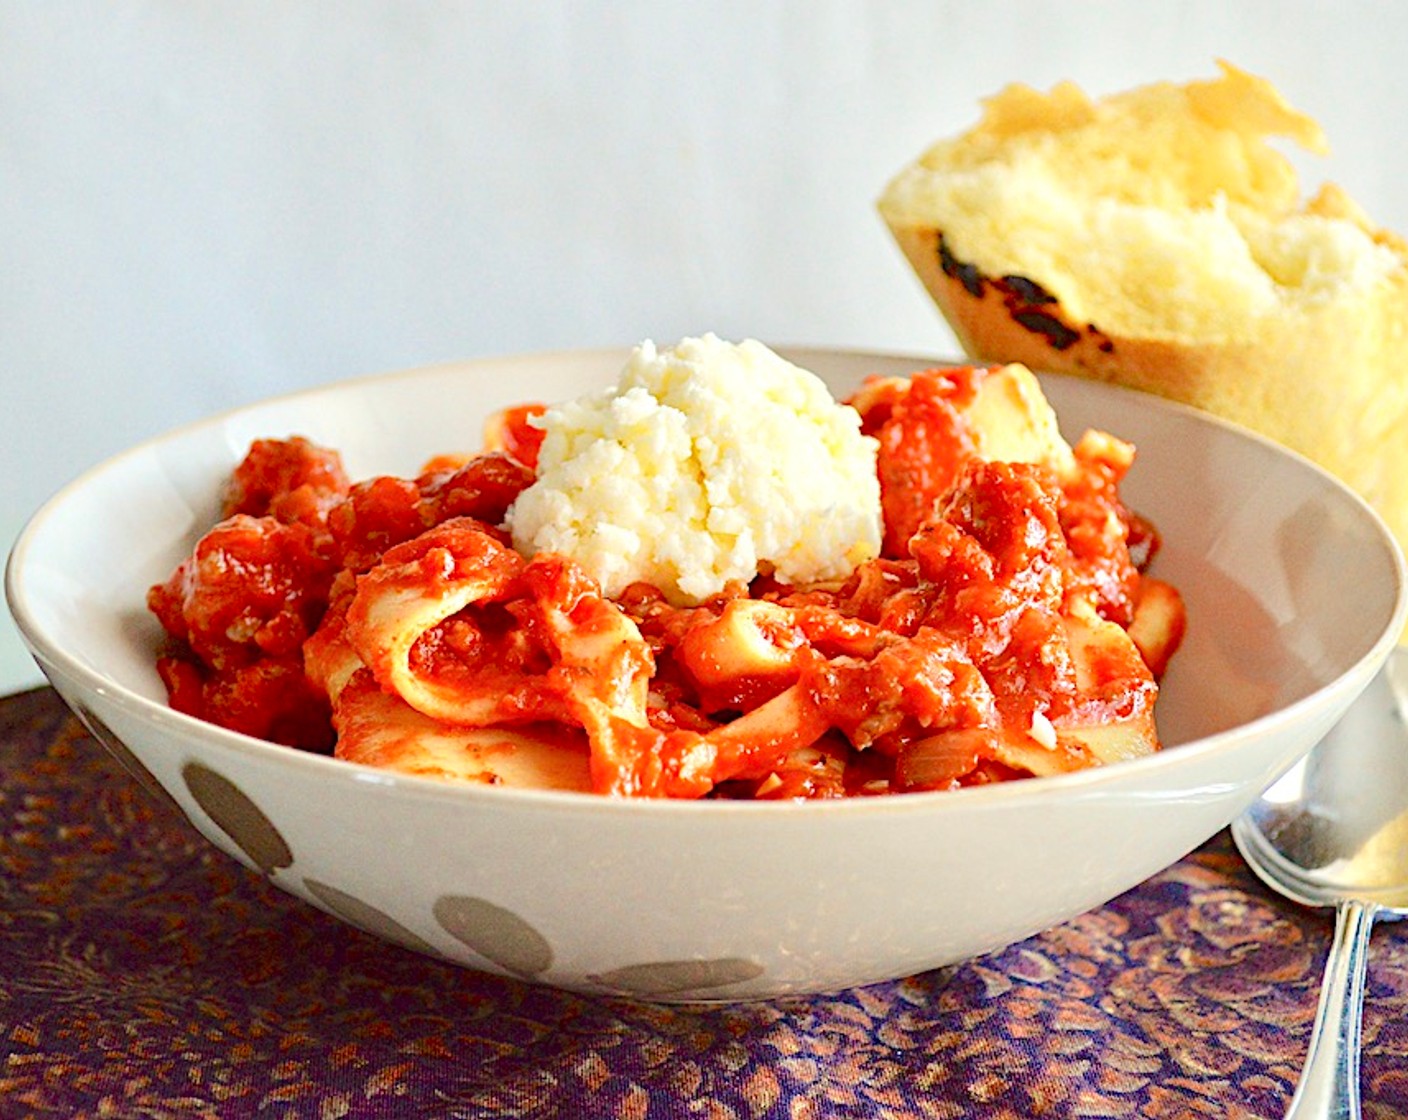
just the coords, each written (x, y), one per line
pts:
(707, 462)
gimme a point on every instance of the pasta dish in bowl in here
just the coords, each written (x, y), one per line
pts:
(987, 620)
(665, 789)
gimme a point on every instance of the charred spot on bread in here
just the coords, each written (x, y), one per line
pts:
(1060, 336)
(1029, 290)
(966, 274)
(1029, 304)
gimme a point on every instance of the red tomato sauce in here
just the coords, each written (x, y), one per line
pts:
(978, 637)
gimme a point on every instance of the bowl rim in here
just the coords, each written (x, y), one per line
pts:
(1088, 782)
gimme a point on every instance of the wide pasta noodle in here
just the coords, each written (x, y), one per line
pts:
(376, 728)
(1007, 630)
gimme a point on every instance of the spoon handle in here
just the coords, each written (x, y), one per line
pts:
(1329, 1084)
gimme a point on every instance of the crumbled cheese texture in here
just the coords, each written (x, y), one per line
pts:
(707, 462)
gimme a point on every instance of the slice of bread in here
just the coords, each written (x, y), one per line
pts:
(1155, 238)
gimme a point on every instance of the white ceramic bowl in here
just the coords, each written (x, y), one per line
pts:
(1295, 594)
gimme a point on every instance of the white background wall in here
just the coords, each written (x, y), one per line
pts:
(202, 203)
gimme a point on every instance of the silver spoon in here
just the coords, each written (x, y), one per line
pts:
(1334, 832)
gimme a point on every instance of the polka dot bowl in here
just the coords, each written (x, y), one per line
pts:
(1295, 595)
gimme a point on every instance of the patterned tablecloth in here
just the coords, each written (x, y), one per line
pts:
(145, 974)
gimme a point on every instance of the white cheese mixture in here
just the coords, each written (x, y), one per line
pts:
(707, 462)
